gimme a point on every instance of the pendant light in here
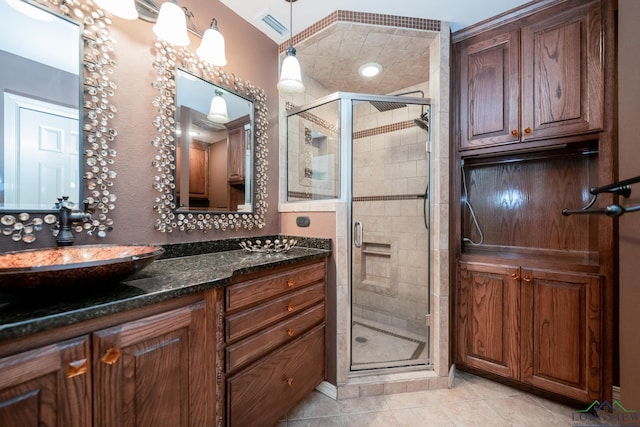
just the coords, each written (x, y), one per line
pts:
(171, 25)
(290, 74)
(212, 46)
(125, 9)
(218, 111)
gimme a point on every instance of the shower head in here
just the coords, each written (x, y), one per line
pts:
(383, 106)
(423, 121)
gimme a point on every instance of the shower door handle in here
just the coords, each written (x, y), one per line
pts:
(358, 233)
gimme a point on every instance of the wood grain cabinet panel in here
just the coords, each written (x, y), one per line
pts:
(153, 371)
(541, 80)
(489, 92)
(49, 386)
(563, 74)
(561, 332)
(275, 348)
(488, 304)
(540, 327)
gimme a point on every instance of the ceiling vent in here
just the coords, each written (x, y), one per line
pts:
(273, 23)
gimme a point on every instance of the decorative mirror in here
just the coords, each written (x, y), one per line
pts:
(214, 147)
(220, 183)
(55, 114)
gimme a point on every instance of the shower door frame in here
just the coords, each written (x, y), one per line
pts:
(345, 132)
(347, 101)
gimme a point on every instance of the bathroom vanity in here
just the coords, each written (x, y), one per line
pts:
(223, 338)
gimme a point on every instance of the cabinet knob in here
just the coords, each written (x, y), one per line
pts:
(514, 132)
(290, 382)
(515, 276)
(526, 278)
(111, 356)
(291, 282)
(527, 131)
(290, 332)
(290, 307)
(77, 367)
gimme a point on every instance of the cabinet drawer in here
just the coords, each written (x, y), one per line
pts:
(259, 344)
(254, 291)
(261, 394)
(242, 324)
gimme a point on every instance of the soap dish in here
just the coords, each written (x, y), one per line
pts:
(268, 246)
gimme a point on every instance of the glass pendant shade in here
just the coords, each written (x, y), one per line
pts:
(218, 111)
(125, 9)
(212, 46)
(171, 25)
(290, 74)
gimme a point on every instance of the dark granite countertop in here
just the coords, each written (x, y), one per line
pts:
(190, 271)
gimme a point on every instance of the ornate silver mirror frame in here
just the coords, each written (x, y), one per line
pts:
(168, 58)
(98, 89)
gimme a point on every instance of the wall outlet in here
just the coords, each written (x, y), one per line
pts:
(303, 221)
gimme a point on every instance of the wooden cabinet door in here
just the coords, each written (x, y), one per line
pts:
(488, 315)
(156, 371)
(235, 151)
(49, 386)
(489, 109)
(561, 333)
(562, 63)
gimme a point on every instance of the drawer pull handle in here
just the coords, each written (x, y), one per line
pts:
(77, 368)
(111, 356)
(290, 332)
(291, 282)
(515, 276)
(290, 307)
(527, 278)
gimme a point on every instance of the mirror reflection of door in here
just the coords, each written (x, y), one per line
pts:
(40, 152)
(39, 111)
(213, 159)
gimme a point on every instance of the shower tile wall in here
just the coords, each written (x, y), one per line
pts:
(390, 171)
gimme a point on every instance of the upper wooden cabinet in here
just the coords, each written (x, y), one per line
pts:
(540, 78)
(237, 146)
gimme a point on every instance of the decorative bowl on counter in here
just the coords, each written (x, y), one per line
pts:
(268, 246)
(73, 266)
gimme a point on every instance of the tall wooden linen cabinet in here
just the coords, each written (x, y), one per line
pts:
(533, 131)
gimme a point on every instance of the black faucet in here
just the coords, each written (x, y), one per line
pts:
(67, 217)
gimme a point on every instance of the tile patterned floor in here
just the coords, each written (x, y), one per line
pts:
(472, 401)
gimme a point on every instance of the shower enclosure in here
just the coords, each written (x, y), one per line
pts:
(372, 151)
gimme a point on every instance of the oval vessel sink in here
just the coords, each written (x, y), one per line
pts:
(70, 266)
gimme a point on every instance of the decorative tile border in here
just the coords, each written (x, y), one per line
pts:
(388, 197)
(313, 119)
(407, 124)
(363, 18)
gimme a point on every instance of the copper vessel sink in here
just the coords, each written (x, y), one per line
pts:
(73, 266)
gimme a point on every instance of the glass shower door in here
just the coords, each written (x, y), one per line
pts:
(390, 237)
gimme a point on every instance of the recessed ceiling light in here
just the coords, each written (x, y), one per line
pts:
(370, 69)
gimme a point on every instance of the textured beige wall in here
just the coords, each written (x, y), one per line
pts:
(251, 55)
(629, 166)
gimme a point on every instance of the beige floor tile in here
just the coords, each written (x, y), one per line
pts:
(523, 411)
(490, 389)
(316, 422)
(432, 416)
(314, 406)
(414, 399)
(362, 404)
(369, 419)
(555, 407)
(473, 413)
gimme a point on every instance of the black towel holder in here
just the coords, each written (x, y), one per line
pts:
(620, 188)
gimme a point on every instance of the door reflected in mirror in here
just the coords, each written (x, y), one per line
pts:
(214, 150)
(40, 153)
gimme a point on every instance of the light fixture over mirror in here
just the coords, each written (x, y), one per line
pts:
(59, 66)
(171, 25)
(290, 74)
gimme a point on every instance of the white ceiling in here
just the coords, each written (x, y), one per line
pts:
(459, 13)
